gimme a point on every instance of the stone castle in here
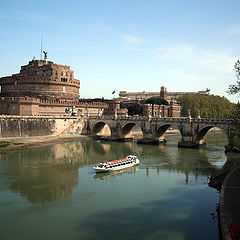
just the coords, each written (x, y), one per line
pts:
(44, 80)
(45, 88)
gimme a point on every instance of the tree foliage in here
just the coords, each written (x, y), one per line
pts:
(156, 100)
(207, 106)
(235, 88)
(133, 108)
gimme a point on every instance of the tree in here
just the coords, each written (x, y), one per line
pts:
(133, 108)
(235, 88)
(207, 106)
(157, 101)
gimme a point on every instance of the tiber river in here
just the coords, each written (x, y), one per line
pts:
(51, 192)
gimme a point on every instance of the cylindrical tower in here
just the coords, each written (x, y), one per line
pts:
(42, 79)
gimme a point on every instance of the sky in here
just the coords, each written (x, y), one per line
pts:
(131, 45)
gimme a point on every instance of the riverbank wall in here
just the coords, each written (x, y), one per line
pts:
(25, 126)
(229, 205)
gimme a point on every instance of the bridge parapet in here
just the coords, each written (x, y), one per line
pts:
(166, 119)
(192, 130)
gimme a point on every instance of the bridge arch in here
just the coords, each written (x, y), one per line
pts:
(160, 131)
(131, 129)
(205, 129)
(101, 128)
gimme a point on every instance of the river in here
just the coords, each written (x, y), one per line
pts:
(51, 192)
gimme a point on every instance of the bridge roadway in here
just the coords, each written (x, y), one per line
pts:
(192, 130)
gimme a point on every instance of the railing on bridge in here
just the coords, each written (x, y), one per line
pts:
(164, 119)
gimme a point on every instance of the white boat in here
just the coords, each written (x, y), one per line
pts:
(119, 164)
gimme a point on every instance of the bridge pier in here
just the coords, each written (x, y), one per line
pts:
(149, 136)
(152, 141)
(188, 144)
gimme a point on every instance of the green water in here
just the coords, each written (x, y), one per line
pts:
(51, 192)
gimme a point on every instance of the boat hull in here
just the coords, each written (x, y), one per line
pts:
(115, 165)
(99, 170)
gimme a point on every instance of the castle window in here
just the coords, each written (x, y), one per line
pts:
(64, 79)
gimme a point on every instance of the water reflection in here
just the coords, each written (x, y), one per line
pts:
(165, 197)
(159, 219)
(50, 173)
(107, 175)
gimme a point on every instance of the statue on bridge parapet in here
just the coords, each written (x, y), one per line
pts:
(189, 114)
(198, 114)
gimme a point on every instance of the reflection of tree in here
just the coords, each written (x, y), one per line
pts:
(191, 161)
(49, 173)
(41, 185)
(39, 177)
(216, 180)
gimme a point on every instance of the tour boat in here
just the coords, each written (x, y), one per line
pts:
(119, 164)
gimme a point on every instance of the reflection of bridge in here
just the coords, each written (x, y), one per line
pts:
(153, 129)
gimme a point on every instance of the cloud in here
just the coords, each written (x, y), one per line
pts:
(190, 78)
(105, 28)
(131, 39)
(25, 16)
(6, 17)
(60, 49)
(101, 28)
(220, 61)
(234, 31)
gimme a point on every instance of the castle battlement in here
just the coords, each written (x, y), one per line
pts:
(42, 79)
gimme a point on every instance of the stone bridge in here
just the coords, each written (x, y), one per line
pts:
(153, 128)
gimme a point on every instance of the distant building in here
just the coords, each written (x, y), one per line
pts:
(125, 96)
(172, 110)
(115, 110)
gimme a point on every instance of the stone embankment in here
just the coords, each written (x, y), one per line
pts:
(27, 126)
(18, 143)
(229, 206)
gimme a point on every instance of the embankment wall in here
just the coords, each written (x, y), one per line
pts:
(24, 126)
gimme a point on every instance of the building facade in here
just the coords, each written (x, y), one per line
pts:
(125, 96)
(153, 110)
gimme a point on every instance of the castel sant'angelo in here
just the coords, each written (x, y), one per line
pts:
(44, 88)
(44, 80)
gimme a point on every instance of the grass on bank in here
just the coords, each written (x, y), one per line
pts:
(7, 143)
(4, 143)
